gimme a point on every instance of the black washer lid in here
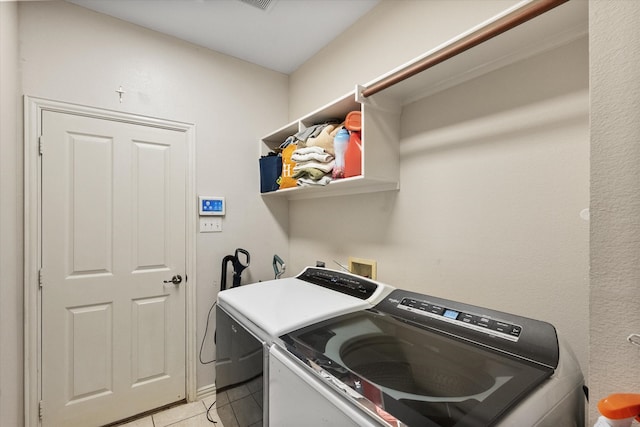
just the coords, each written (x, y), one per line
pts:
(519, 336)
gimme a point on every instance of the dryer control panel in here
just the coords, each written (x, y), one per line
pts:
(349, 284)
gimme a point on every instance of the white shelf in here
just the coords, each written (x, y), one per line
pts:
(380, 161)
(342, 187)
(337, 109)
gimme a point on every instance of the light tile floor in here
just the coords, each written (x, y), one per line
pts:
(192, 414)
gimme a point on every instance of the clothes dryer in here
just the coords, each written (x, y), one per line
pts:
(249, 318)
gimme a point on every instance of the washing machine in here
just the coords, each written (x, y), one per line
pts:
(418, 360)
(249, 318)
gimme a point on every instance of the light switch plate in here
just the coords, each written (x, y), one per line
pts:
(210, 224)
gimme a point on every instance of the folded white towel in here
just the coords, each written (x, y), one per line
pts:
(303, 182)
(323, 157)
(324, 167)
(307, 150)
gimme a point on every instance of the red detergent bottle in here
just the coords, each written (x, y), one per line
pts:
(353, 155)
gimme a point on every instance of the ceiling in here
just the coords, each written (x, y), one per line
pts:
(277, 34)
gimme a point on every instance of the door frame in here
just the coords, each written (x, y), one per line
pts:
(33, 108)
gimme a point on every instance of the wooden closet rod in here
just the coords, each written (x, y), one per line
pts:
(507, 22)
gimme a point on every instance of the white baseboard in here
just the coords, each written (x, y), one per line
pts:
(206, 391)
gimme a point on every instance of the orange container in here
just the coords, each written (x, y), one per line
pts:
(620, 405)
(353, 121)
(353, 156)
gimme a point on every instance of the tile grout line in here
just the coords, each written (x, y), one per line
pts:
(182, 419)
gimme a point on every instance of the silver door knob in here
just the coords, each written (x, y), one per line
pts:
(176, 280)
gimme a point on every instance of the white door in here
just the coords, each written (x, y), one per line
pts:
(113, 230)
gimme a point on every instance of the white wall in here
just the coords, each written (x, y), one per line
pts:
(615, 197)
(10, 221)
(71, 54)
(391, 34)
(494, 175)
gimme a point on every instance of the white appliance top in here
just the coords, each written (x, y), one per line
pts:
(276, 307)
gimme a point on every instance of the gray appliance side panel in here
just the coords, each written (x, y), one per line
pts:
(239, 354)
(559, 401)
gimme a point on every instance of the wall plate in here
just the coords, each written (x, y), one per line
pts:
(211, 224)
(363, 267)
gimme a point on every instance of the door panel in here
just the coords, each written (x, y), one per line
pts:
(90, 365)
(149, 340)
(151, 173)
(113, 230)
(91, 179)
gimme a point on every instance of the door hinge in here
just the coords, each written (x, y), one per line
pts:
(40, 145)
(40, 277)
(40, 410)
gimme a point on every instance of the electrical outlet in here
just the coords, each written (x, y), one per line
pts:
(211, 225)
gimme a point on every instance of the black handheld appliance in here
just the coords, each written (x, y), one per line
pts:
(239, 260)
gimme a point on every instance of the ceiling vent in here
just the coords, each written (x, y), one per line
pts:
(260, 4)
